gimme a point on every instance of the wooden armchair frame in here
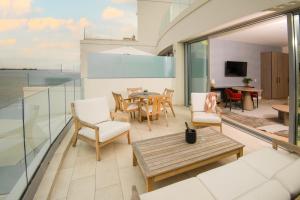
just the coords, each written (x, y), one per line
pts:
(95, 143)
(204, 124)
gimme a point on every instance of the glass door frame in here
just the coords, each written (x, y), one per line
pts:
(187, 68)
(293, 40)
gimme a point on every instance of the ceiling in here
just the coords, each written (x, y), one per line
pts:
(271, 33)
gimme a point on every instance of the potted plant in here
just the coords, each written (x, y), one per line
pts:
(247, 81)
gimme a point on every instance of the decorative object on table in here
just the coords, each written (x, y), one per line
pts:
(190, 134)
(212, 83)
(247, 81)
(145, 91)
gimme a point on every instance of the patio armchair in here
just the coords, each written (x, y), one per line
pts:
(233, 97)
(168, 99)
(199, 117)
(125, 105)
(95, 125)
(152, 107)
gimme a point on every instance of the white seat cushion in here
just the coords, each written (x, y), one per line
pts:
(191, 189)
(289, 177)
(93, 110)
(107, 130)
(198, 101)
(132, 106)
(269, 190)
(205, 117)
(268, 161)
(231, 180)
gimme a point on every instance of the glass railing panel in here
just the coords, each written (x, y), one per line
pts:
(12, 155)
(70, 96)
(57, 110)
(36, 123)
(130, 66)
(78, 89)
(50, 77)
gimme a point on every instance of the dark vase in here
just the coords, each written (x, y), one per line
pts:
(190, 136)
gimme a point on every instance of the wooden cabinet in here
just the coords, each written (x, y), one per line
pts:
(274, 75)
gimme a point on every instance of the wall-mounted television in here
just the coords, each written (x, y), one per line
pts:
(235, 69)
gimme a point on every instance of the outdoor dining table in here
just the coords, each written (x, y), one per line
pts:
(247, 100)
(142, 96)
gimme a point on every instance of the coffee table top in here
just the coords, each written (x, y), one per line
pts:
(163, 154)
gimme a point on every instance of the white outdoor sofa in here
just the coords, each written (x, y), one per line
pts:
(261, 175)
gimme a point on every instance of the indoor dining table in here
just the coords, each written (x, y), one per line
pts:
(247, 100)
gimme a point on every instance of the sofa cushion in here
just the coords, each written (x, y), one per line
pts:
(268, 161)
(191, 189)
(107, 130)
(205, 117)
(93, 110)
(231, 180)
(198, 101)
(289, 177)
(269, 190)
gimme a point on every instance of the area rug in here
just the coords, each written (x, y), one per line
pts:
(256, 122)
(274, 128)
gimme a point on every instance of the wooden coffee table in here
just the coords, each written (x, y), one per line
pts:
(162, 157)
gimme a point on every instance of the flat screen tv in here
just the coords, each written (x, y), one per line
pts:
(235, 69)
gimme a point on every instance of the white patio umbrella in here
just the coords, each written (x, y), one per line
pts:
(127, 51)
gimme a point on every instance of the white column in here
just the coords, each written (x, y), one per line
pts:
(179, 80)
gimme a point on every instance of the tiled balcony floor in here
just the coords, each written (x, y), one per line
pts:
(82, 177)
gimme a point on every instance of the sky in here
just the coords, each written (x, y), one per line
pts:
(47, 33)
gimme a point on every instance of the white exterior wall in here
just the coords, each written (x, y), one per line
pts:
(149, 17)
(97, 46)
(200, 19)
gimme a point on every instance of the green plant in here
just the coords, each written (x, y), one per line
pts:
(247, 80)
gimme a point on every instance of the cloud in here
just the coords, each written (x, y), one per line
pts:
(11, 24)
(38, 24)
(112, 13)
(46, 23)
(123, 1)
(56, 45)
(8, 42)
(15, 7)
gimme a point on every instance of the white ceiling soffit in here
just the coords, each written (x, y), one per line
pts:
(271, 33)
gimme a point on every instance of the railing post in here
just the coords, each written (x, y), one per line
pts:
(24, 140)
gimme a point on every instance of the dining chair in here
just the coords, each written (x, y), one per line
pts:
(153, 107)
(168, 99)
(233, 97)
(95, 125)
(125, 105)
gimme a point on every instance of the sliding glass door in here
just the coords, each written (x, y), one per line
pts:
(294, 82)
(196, 68)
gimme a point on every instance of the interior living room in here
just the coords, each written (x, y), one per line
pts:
(249, 68)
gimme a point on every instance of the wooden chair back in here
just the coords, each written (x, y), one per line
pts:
(118, 102)
(168, 93)
(156, 103)
(134, 90)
